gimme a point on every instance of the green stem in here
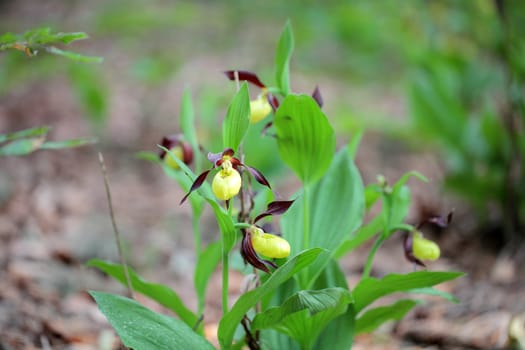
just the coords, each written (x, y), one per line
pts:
(195, 224)
(198, 246)
(241, 225)
(371, 255)
(224, 281)
(387, 202)
(306, 219)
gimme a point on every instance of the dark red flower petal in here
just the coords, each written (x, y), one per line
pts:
(258, 176)
(250, 256)
(407, 248)
(196, 184)
(275, 208)
(228, 152)
(273, 101)
(245, 75)
(317, 96)
(235, 162)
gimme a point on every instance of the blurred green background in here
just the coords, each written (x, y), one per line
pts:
(439, 76)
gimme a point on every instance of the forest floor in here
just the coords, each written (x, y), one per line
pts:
(54, 218)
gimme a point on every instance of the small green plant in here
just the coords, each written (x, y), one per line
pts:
(299, 298)
(29, 140)
(31, 42)
(43, 39)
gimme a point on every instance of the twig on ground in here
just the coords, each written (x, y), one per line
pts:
(114, 223)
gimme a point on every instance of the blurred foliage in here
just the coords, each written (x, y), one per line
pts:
(35, 40)
(467, 99)
(27, 141)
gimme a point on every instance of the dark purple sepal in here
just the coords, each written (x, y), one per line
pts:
(439, 221)
(196, 184)
(266, 127)
(250, 256)
(273, 101)
(228, 152)
(275, 208)
(258, 176)
(317, 96)
(245, 75)
(407, 248)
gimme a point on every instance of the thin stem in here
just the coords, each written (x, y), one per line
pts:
(387, 202)
(198, 244)
(114, 223)
(306, 218)
(225, 282)
(241, 225)
(371, 255)
(195, 224)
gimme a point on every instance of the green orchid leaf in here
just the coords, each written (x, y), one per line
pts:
(207, 262)
(283, 55)
(435, 292)
(237, 119)
(304, 315)
(362, 235)
(305, 138)
(142, 329)
(158, 292)
(187, 125)
(339, 333)
(373, 318)
(339, 195)
(370, 289)
(314, 301)
(231, 320)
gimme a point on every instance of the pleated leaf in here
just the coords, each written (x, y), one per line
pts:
(231, 320)
(305, 138)
(142, 329)
(237, 119)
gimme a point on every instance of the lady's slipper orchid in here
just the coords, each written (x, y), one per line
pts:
(179, 148)
(255, 241)
(227, 182)
(424, 249)
(269, 245)
(260, 108)
(417, 248)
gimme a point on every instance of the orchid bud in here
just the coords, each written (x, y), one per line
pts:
(424, 249)
(226, 183)
(259, 108)
(269, 245)
(178, 148)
